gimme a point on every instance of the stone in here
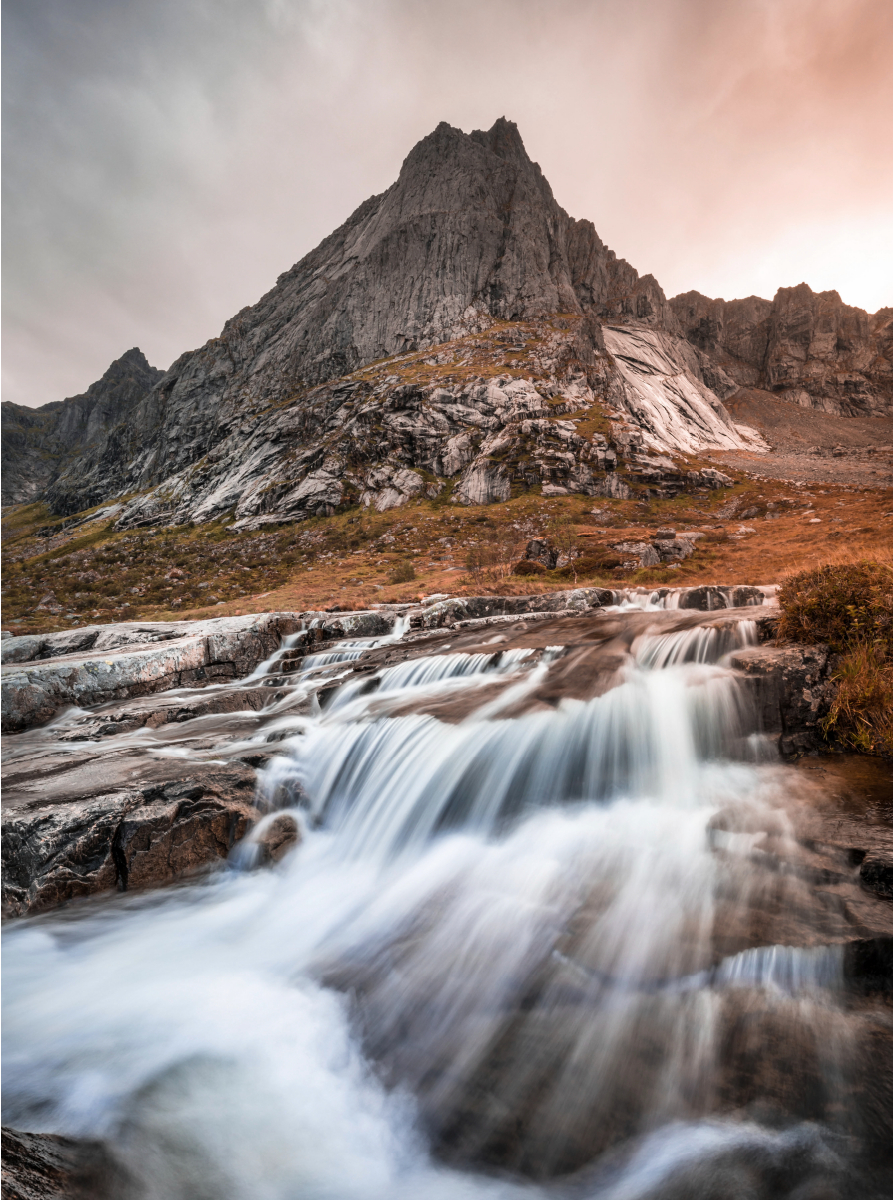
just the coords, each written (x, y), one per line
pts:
(637, 554)
(673, 549)
(876, 873)
(792, 691)
(45, 1166)
(612, 485)
(159, 656)
(275, 838)
(483, 483)
(663, 383)
(129, 838)
(539, 550)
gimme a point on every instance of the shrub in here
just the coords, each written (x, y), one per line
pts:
(861, 714)
(528, 567)
(841, 604)
(402, 573)
(850, 607)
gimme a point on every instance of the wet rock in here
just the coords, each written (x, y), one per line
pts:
(707, 597)
(44, 1166)
(276, 838)
(130, 838)
(131, 660)
(876, 873)
(792, 692)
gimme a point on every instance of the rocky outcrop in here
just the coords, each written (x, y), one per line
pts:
(97, 664)
(666, 398)
(132, 837)
(808, 347)
(41, 443)
(44, 1166)
(792, 690)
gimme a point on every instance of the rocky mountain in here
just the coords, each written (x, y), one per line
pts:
(39, 443)
(506, 327)
(808, 347)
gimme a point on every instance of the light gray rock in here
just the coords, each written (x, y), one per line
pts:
(484, 482)
(637, 554)
(133, 660)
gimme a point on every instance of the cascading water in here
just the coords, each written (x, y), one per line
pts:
(557, 942)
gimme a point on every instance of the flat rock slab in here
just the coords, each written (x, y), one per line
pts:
(84, 835)
(44, 675)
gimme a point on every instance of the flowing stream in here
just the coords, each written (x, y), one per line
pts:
(556, 954)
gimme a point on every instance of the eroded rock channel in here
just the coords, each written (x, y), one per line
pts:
(542, 896)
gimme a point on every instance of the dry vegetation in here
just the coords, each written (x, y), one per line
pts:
(849, 606)
(753, 533)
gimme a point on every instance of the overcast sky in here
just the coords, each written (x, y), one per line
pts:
(165, 160)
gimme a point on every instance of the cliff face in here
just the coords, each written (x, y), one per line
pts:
(38, 443)
(810, 347)
(469, 232)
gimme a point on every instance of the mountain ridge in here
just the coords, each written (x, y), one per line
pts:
(469, 235)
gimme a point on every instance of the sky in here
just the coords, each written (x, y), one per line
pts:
(165, 160)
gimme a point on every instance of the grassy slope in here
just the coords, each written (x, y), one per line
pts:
(354, 558)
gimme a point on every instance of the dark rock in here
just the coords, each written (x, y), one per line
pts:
(276, 838)
(876, 873)
(708, 597)
(44, 1166)
(810, 347)
(129, 838)
(791, 691)
(39, 443)
(542, 552)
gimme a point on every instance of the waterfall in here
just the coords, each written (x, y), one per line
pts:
(536, 943)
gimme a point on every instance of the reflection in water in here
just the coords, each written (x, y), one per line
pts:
(573, 946)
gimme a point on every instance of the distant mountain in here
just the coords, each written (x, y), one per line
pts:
(39, 443)
(468, 236)
(809, 347)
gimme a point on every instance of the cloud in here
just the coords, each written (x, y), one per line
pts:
(165, 161)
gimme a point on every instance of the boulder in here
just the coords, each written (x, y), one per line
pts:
(637, 554)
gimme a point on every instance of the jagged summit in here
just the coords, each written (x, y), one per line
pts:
(38, 443)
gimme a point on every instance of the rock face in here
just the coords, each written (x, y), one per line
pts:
(129, 838)
(792, 690)
(809, 347)
(44, 1166)
(96, 664)
(39, 444)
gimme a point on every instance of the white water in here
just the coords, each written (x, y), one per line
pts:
(547, 884)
